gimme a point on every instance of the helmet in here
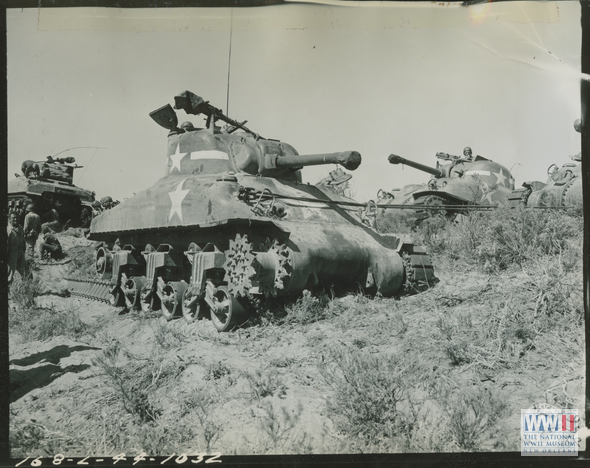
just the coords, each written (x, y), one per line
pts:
(187, 126)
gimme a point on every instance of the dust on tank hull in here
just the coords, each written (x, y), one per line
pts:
(231, 221)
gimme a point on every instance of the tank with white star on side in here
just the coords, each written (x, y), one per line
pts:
(231, 223)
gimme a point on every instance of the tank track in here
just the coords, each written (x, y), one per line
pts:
(96, 290)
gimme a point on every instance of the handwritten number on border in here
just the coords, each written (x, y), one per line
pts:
(118, 458)
(216, 455)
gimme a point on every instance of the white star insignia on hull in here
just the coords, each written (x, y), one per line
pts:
(176, 198)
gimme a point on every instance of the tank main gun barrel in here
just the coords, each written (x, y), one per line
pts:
(395, 159)
(348, 159)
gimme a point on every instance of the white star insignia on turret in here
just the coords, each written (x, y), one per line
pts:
(176, 158)
(500, 176)
(176, 198)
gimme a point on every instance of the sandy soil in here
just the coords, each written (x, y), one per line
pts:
(57, 386)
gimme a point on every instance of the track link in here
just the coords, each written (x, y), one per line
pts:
(96, 290)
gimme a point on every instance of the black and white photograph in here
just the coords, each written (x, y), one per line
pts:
(294, 229)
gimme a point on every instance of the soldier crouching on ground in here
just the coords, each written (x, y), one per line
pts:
(15, 258)
(32, 228)
(50, 248)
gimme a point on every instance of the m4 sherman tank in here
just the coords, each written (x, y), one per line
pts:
(231, 221)
(461, 181)
(49, 186)
(562, 189)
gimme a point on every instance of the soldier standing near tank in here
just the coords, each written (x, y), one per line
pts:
(32, 228)
(15, 258)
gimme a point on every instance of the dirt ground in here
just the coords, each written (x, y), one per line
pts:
(265, 387)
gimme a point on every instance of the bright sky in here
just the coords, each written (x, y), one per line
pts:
(409, 79)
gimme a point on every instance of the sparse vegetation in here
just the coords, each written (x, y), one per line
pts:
(443, 370)
(265, 384)
(279, 429)
(23, 292)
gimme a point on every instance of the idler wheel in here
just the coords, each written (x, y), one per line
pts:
(228, 312)
(171, 299)
(191, 305)
(148, 300)
(104, 263)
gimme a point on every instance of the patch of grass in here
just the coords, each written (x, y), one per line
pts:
(266, 384)
(279, 427)
(44, 323)
(169, 335)
(472, 414)
(285, 361)
(217, 371)
(200, 403)
(27, 439)
(308, 309)
(502, 237)
(368, 391)
(135, 382)
(24, 291)
(82, 264)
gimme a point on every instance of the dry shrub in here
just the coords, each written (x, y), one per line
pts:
(472, 414)
(279, 429)
(136, 382)
(24, 291)
(265, 384)
(368, 391)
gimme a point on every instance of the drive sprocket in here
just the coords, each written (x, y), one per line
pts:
(268, 285)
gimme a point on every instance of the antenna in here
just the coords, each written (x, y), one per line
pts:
(231, 30)
(96, 148)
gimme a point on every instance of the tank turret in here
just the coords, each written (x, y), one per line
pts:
(231, 222)
(193, 150)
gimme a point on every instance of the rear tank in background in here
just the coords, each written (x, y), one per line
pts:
(563, 188)
(48, 185)
(457, 182)
(231, 221)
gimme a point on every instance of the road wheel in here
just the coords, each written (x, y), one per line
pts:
(132, 288)
(149, 300)
(228, 312)
(171, 299)
(192, 306)
(116, 297)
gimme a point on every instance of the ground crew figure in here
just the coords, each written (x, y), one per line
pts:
(32, 228)
(52, 225)
(20, 212)
(50, 247)
(16, 248)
